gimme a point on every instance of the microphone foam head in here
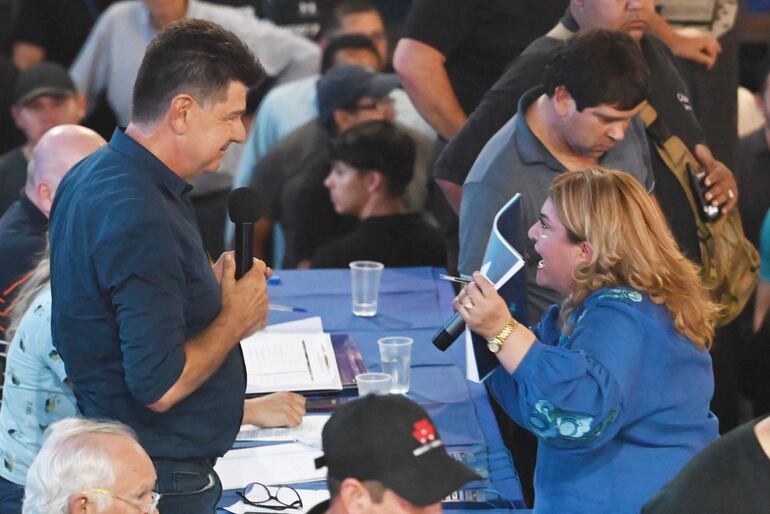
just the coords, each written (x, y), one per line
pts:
(243, 205)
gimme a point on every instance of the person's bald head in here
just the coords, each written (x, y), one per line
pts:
(57, 151)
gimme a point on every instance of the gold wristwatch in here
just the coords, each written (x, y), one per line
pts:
(496, 344)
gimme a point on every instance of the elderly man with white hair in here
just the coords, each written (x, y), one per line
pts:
(24, 225)
(93, 467)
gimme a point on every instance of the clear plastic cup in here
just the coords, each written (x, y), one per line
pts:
(396, 358)
(365, 286)
(373, 383)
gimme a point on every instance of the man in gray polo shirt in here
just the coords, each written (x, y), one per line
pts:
(581, 117)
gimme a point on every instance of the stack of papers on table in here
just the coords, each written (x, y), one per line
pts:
(278, 361)
(270, 465)
(308, 432)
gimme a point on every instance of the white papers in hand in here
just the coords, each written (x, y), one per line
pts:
(310, 498)
(308, 432)
(290, 362)
(270, 465)
(501, 262)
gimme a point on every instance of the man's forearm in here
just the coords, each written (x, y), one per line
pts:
(658, 25)
(204, 354)
(425, 79)
(244, 310)
(26, 55)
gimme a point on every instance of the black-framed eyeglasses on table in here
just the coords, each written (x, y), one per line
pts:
(259, 495)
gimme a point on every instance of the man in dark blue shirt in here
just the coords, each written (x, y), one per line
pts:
(148, 331)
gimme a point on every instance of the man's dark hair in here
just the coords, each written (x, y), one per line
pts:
(331, 20)
(376, 489)
(599, 67)
(347, 42)
(195, 57)
(378, 145)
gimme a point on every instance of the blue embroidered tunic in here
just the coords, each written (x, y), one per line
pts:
(619, 405)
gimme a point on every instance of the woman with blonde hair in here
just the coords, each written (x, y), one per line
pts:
(616, 382)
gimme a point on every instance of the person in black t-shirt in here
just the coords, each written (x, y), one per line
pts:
(730, 475)
(454, 50)
(373, 163)
(52, 30)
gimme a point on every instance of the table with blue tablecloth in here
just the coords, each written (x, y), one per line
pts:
(412, 302)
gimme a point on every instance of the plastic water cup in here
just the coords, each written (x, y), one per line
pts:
(396, 358)
(365, 286)
(373, 383)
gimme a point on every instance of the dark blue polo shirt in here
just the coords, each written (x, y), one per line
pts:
(131, 283)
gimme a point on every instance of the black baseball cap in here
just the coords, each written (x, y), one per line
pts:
(45, 79)
(392, 440)
(346, 83)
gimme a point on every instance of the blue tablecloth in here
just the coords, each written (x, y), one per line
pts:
(414, 303)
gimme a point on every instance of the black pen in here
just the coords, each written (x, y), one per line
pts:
(307, 359)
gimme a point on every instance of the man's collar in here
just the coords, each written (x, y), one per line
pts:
(568, 20)
(531, 150)
(192, 7)
(161, 174)
(565, 29)
(35, 215)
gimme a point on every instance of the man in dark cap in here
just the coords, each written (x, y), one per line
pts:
(384, 455)
(45, 97)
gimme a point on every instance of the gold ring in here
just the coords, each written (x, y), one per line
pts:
(468, 304)
(730, 194)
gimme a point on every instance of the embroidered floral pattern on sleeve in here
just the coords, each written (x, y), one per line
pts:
(550, 422)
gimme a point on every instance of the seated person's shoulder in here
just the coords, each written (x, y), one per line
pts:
(121, 11)
(432, 242)
(494, 160)
(289, 152)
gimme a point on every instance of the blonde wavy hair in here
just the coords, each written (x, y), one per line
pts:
(35, 281)
(632, 246)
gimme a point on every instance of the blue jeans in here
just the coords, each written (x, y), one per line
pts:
(11, 496)
(188, 487)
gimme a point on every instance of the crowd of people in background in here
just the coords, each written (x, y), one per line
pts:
(391, 131)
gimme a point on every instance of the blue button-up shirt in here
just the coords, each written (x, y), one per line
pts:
(131, 283)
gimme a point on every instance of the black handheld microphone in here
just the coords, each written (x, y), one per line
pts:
(447, 334)
(243, 208)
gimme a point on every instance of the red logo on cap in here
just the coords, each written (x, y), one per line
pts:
(424, 431)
